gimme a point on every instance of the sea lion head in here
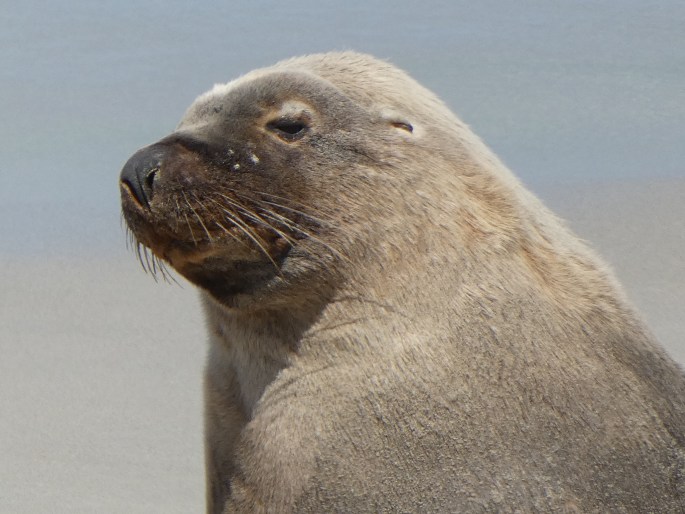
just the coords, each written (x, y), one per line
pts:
(275, 180)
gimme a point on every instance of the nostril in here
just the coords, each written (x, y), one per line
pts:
(140, 172)
(149, 182)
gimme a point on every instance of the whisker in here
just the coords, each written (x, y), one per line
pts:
(316, 220)
(255, 217)
(228, 213)
(197, 216)
(157, 266)
(192, 234)
(140, 257)
(311, 217)
(297, 228)
(231, 234)
(245, 229)
(302, 206)
(145, 261)
(166, 274)
(150, 259)
(178, 212)
(129, 239)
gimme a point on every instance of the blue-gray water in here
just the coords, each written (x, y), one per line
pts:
(563, 91)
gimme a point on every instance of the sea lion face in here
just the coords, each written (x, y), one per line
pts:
(256, 185)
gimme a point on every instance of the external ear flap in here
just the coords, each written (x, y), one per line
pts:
(397, 120)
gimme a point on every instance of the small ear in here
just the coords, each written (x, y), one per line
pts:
(397, 120)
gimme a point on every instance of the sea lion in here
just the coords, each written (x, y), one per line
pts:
(395, 323)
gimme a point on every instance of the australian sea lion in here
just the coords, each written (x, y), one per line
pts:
(395, 323)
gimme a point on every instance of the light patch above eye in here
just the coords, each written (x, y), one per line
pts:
(294, 109)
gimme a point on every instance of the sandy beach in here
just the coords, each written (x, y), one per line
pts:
(101, 390)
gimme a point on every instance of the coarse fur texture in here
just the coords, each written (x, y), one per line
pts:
(395, 323)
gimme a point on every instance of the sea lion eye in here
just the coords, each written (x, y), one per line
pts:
(403, 125)
(288, 129)
(397, 120)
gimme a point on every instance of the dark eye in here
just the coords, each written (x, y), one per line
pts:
(288, 129)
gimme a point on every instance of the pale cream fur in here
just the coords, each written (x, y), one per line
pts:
(440, 342)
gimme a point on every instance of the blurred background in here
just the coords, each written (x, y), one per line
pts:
(100, 375)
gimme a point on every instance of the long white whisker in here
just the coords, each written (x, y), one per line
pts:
(197, 216)
(255, 217)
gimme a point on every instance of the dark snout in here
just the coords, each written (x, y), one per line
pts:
(140, 171)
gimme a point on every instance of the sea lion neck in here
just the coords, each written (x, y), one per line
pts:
(277, 326)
